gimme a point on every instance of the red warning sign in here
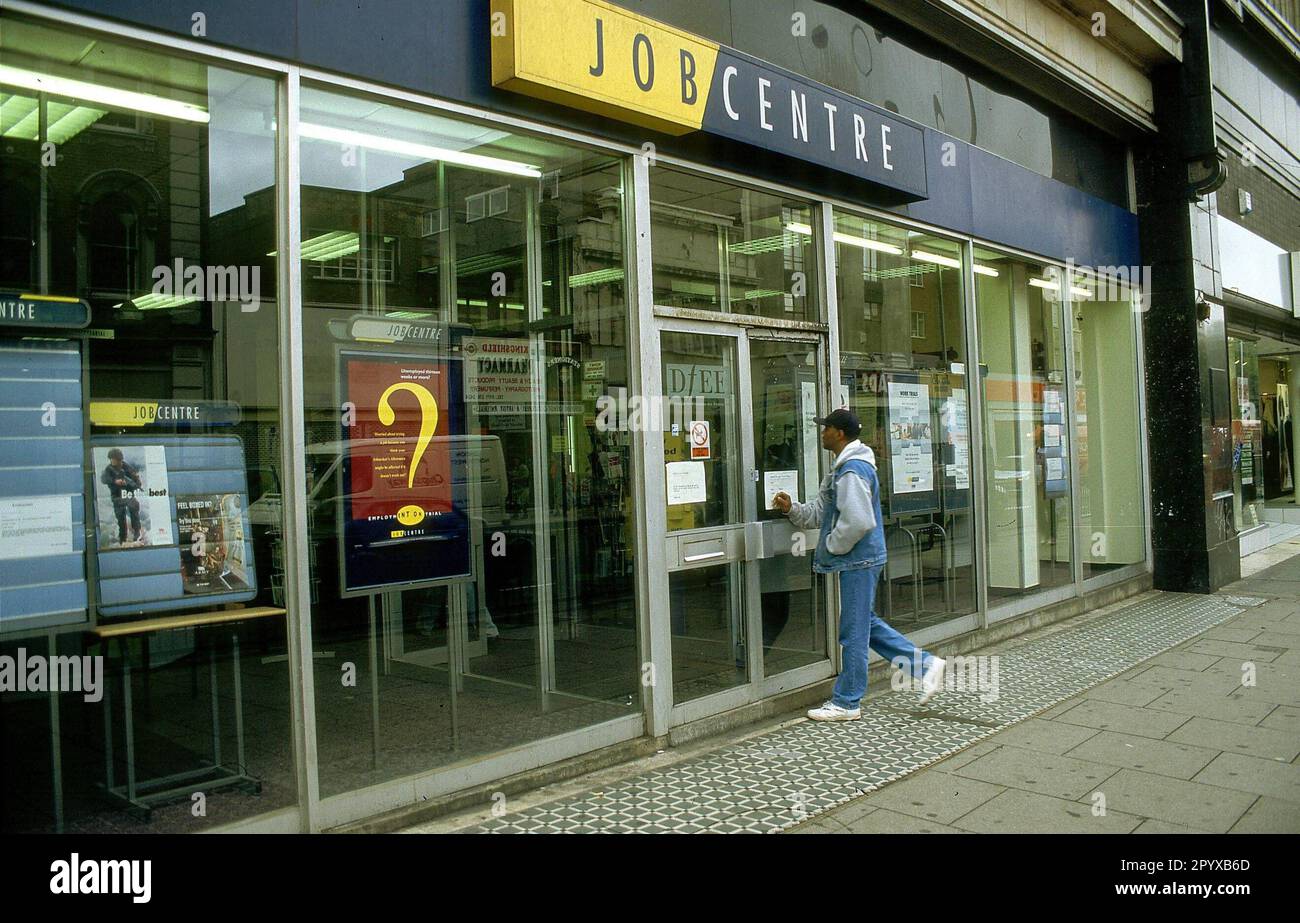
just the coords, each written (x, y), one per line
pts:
(700, 446)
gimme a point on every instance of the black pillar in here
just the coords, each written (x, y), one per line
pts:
(1189, 423)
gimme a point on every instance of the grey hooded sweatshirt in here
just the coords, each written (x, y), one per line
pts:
(852, 499)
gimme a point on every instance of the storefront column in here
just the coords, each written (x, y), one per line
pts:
(648, 461)
(825, 216)
(1070, 426)
(975, 424)
(1194, 544)
(293, 455)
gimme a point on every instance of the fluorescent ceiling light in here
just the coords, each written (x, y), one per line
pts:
(20, 117)
(331, 246)
(95, 93)
(410, 148)
(941, 260)
(938, 259)
(155, 302)
(864, 243)
(1055, 287)
(595, 277)
(761, 244)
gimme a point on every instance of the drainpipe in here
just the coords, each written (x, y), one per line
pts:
(1197, 143)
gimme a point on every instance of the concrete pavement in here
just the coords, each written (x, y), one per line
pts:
(1180, 743)
(1163, 712)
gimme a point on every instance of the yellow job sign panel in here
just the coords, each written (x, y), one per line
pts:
(600, 58)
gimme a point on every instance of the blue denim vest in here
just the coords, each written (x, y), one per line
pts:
(870, 549)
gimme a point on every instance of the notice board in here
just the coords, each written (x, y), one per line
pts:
(42, 487)
(911, 486)
(402, 517)
(171, 523)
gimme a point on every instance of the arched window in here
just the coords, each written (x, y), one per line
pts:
(113, 236)
(117, 225)
(18, 237)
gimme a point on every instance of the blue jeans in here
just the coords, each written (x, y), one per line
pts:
(861, 630)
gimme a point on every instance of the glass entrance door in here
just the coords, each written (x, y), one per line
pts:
(788, 456)
(737, 422)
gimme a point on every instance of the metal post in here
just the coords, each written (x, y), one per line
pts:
(129, 721)
(1068, 431)
(108, 720)
(541, 455)
(373, 658)
(56, 742)
(293, 454)
(975, 420)
(216, 704)
(825, 243)
(457, 604)
(43, 231)
(647, 456)
(240, 765)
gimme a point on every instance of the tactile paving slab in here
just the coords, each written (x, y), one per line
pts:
(776, 780)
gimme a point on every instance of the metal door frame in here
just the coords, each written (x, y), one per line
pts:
(734, 535)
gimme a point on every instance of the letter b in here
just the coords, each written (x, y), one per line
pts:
(689, 91)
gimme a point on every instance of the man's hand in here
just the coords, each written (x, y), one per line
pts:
(782, 501)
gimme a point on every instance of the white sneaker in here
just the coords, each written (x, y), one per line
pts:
(932, 681)
(832, 712)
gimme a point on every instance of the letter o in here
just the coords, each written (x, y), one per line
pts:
(637, 42)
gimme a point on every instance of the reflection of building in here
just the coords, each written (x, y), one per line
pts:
(620, 582)
(111, 221)
(1237, 283)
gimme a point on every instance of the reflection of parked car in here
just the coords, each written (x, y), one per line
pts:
(478, 463)
(478, 459)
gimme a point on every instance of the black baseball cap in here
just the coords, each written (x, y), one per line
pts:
(843, 420)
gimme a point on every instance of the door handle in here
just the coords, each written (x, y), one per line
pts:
(706, 556)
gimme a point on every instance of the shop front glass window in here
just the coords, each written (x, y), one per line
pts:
(721, 247)
(141, 451)
(1026, 425)
(1247, 433)
(1275, 415)
(464, 311)
(903, 372)
(1108, 425)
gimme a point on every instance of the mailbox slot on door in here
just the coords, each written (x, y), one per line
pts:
(686, 551)
(774, 538)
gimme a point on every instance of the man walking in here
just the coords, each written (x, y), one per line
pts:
(852, 544)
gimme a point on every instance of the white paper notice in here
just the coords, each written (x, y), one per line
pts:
(959, 438)
(910, 441)
(1055, 469)
(812, 443)
(776, 481)
(961, 467)
(1051, 434)
(685, 482)
(34, 527)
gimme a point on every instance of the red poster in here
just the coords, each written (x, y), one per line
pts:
(398, 446)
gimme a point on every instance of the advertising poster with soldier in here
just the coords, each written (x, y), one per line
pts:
(132, 497)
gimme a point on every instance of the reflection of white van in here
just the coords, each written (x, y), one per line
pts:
(478, 460)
